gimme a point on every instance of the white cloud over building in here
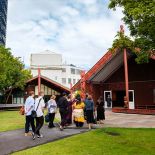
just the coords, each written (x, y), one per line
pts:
(81, 30)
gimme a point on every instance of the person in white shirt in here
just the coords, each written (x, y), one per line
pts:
(29, 106)
(52, 107)
(39, 108)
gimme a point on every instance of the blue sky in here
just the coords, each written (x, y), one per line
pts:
(81, 30)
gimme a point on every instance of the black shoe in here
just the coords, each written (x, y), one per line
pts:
(51, 126)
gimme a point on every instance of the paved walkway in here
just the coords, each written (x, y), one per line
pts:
(129, 120)
(12, 141)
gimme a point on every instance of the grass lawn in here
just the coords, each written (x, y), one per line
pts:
(11, 120)
(108, 141)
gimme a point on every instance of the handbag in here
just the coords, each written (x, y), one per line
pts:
(34, 112)
(22, 110)
(47, 118)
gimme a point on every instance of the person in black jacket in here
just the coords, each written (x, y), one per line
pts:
(100, 110)
(63, 109)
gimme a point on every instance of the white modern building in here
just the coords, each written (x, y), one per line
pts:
(52, 67)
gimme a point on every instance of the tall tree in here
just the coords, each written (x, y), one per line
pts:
(12, 72)
(139, 15)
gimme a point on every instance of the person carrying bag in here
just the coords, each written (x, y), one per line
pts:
(52, 108)
(39, 115)
(28, 108)
(34, 112)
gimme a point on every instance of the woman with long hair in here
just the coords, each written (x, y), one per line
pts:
(70, 104)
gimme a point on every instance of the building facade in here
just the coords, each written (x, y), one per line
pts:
(48, 86)
(52, 67)
(106, 79)
(3, 21)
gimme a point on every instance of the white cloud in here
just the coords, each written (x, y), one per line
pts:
(82, 30)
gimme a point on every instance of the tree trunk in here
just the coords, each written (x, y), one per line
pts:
(8, 96)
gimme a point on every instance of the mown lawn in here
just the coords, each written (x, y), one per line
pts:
(108, 141)
(11, 120)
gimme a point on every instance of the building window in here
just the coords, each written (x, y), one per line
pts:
(36, 90)
(42, 88)
(153, 95)
(56, 78)
(78, 72)
(46, 90)
(49, 91)
(69, 81)
(63, 70)
(72, 71)
(18, 100)
(63, 80)
(74, 81)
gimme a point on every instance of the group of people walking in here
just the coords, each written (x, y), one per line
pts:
(71, 110)
(34, 110)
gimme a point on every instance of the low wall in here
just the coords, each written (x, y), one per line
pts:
(134, 111)
(10, 106)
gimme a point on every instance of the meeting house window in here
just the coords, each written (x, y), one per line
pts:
(18, 97)
(46, 90)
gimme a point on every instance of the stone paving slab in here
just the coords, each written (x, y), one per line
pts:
(129, 120)
(13, 141)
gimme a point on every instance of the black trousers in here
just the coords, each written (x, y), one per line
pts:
(63, 114)
(29, 120)
(51, 119)
(39, 124)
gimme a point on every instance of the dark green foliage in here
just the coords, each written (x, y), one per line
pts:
(12, 72)
(139, 16)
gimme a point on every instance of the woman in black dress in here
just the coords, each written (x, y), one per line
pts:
(100, 110)
(70, 103)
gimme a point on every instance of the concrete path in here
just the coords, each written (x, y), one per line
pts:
(13, 141)
(129, 120)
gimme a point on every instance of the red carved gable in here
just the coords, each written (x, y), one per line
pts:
(99, 64)
(95, 68)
